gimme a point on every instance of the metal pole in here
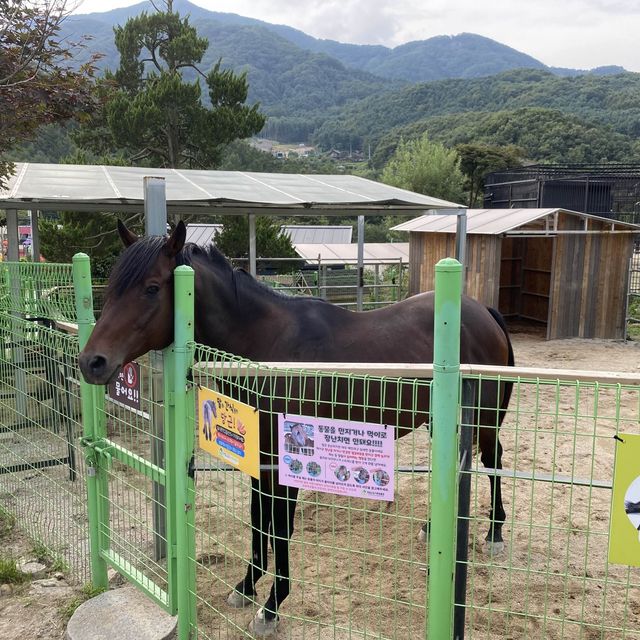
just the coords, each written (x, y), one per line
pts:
(444, 407)
(155, 206)
(469, 396)
(155, 224)
(461, 245)
(252, 245)
(17, 326)
(91, 395)
(360, 290)
(13, 252)
(183, 441)
(35, 237)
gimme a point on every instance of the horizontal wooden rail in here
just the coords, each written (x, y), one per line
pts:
(417, 370)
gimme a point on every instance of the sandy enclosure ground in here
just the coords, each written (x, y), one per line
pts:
(358, 570)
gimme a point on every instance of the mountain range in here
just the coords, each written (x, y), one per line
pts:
(460, 88)
(237, 39)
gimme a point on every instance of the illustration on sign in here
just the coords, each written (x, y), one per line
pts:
(624, 533)
(126, 386)
(336, 456)
(229, 430)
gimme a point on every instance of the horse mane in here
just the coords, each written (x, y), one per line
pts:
(241, 281)
(135, 262)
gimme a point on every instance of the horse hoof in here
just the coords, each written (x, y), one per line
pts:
(261, 627)
(494, 547)
(238, 600)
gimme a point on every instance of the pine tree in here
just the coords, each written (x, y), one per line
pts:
(156, 115)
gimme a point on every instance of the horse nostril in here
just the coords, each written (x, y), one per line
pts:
(97, 364)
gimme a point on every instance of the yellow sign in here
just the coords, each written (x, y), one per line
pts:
(229, 430)
(624, 531)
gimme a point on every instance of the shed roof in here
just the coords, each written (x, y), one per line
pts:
(69, 187)
(390, 252)
(202, 234)
(318, 234)
(496, 221)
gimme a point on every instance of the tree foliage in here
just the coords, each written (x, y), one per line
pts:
(426, 167)
(477, 160)
(38, 83)
(65, 235)
(233, 241)
(158, 117)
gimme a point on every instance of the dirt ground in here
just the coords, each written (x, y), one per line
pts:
(358, 562)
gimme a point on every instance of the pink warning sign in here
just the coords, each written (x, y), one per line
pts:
(336, 456)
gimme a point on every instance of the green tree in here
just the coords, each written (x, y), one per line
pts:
(38, 83)
(233, 241)
(477, 160)
(426, 167)
(156, 115)
(68, 233)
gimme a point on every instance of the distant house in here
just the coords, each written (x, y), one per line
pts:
(318, 234)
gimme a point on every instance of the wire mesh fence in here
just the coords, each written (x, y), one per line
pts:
(41, 467)
(357, 569)
(554, 579)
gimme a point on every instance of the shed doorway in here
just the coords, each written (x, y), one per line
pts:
(526, 266)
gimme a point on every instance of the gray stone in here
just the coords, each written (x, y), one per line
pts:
(122, 614)
(32, 568)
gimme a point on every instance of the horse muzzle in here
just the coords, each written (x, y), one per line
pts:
(97, 369)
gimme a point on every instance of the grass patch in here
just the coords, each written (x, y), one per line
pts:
(7, 524)
(87, 592)
(9, 572)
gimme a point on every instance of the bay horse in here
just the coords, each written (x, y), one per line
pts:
(238, 315)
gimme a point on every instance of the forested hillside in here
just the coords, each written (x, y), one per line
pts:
(604, 106)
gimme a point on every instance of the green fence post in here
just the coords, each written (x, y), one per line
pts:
(444, 407)
(180, 454)
(91, 397)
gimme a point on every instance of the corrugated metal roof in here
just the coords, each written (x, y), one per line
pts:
(348, 253)
(318, 234)
(108, 188)
(492, 221)
(202, 234)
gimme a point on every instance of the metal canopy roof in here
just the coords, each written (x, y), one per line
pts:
(318, 234)
(67, 187)
(497, 221)
(391, 252)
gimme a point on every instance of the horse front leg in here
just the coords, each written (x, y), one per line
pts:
(245, 591)
(491, 456)
(265, 621)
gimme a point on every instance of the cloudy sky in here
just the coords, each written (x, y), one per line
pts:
(562, 33)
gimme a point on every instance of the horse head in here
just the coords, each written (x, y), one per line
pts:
(137, 315)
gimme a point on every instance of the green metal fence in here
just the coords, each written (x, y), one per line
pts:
(357, 567)
(41, 467)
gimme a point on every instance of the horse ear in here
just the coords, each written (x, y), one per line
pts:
(176, 240)
(127, 237)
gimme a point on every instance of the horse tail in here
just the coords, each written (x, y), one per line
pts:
(508, 386)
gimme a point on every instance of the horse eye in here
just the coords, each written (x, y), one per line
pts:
(152, 289)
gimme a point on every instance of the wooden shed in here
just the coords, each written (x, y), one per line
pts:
(564, 269)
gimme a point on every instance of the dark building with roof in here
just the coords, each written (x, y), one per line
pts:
(610, 191)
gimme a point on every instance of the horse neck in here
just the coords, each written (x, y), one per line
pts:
(233, 316)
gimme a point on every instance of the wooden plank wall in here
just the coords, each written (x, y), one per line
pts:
(589, 286)
(483, 263)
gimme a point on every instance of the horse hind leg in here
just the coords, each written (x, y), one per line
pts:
(244, 592)
(265, 622)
